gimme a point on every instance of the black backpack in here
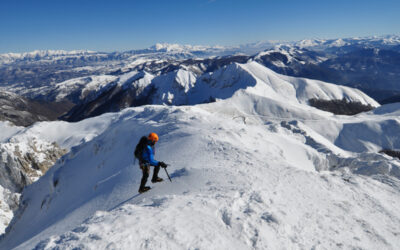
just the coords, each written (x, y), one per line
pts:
(139, 148)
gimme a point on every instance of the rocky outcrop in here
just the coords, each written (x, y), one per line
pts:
(20, 167)
(8, 204)
(21, 164)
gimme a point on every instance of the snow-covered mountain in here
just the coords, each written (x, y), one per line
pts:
(96, 94)
(185, 86)
(257, 169)
(369, 64)
(42, 55)
(290, 60)
(371, 41)
(363, 64)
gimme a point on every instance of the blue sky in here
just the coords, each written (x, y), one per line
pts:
(116, 25)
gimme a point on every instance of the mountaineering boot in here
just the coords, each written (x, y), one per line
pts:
(155, 175)
(157, 179)
(144, 189)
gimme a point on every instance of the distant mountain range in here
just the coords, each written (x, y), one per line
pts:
(98, 82)
(374, 70)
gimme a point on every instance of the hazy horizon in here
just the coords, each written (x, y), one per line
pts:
(128, 25)
(207, 45)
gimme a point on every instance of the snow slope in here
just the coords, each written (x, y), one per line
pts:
(262, 81)
(174, 87)
(258, 170)
(26, 153)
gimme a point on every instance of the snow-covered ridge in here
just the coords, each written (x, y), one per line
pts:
(188, 85)
(256, 78)
(292, 55)
(185, 85)
(167, 47)
(369, 40)
(49, 53)
(42, 54)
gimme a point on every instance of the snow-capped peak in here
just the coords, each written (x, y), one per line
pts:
(338, 43)
(44, 53)
(167, 47)
(38, 55)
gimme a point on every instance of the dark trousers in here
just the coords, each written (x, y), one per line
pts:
(146, 172)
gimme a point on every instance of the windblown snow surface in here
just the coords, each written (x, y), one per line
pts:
(257, 170)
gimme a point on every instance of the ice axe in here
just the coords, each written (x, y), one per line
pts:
(167, 173)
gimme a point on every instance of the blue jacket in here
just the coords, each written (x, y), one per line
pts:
(148, 156)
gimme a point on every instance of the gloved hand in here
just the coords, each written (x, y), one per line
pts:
(162, 164)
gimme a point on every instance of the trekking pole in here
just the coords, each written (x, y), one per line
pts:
(167, 174)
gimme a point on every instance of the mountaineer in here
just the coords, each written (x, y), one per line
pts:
(144, 152)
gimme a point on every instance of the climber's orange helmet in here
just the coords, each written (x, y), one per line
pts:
(153, 137)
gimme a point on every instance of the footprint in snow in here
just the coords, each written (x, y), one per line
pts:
(269, 218)
(226, 217)
(157, 202)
